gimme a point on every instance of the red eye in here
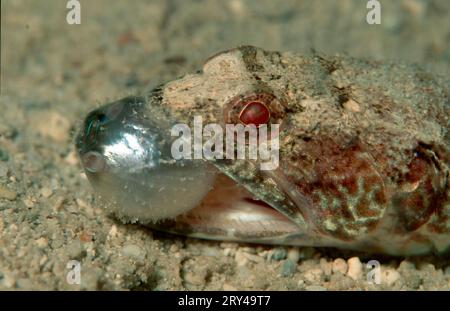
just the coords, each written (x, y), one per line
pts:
(255, 113)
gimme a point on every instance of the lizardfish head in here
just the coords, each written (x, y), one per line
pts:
(149, 159)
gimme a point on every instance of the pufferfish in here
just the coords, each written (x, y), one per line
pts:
(363, 150)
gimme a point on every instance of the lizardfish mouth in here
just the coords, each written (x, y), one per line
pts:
(126, 152)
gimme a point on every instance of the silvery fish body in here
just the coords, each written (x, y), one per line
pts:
(363, 154)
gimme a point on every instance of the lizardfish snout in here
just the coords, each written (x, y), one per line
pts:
(126, 154)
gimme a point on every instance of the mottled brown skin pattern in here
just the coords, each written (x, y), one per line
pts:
(340, 179)
(364, 143)
(353, 175)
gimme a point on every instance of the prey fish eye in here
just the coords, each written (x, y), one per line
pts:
(363, 156)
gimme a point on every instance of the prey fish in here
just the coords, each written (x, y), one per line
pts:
(362, 149)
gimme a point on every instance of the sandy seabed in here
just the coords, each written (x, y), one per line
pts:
(53, 73)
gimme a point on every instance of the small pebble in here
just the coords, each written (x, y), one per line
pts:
(352, 106)
(211, 251)
(173, 248)
(132, 250)
(41, 242)
(8, 280)
(413, 280)
(43, 260)
(240, 258)
(288, 268)
(315, 288)
(254, 258)
(75, 250)
(389, 276)
(113, 231)
(231, 252)
(279, 253)
(339, 265)
(228, 287)
(71, 158)
(83, 204)
(249, 250)
(5, 193)
(192, 278)
(354, 268)
(264, 254)
(293, 254)
(406, 265)
(29, 201)
(46, 192)
(414, 7)
(326, 266)
(237, 7)
(58, 203)
(313, 275)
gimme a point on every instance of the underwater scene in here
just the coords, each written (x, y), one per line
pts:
(225, 145)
